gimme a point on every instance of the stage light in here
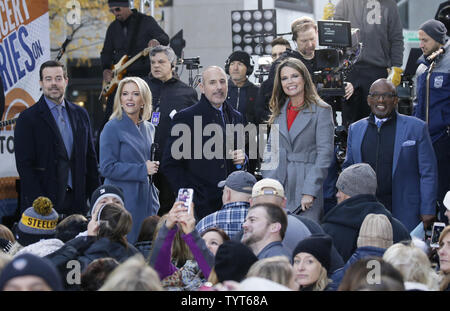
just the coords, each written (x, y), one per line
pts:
(237, 27)
(236, 16)
(247, 27)
(257, 15)
(253, 30)
(258, 27)
(246, 15)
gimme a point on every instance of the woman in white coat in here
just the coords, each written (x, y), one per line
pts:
(301, 139)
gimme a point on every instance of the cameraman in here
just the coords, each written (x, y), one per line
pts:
(305, 34)
(382, 37)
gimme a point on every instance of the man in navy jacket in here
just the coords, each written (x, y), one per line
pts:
(60, 164)
(196, 154)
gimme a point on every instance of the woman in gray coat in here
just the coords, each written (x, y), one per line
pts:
(300, 146)
(125, 145)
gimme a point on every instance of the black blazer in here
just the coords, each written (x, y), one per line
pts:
(200, 173)
(38, 155)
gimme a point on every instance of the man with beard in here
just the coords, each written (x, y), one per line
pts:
(399, 150)
(436, 112)
(196, 154)
(264, 229)
(54, 152)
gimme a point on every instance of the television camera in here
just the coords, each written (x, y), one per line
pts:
(335, 62)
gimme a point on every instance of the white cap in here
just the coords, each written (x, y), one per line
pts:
(447, 200)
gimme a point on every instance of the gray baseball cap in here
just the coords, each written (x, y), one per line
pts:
(239, 181)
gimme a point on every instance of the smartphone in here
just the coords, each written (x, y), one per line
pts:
(186, 195)
(435, 233)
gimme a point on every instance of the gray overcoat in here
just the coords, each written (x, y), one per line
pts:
(304, 154)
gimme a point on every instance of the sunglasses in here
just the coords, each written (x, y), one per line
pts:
(112, 10)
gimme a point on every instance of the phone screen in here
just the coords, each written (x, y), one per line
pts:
(186, 195)
(437, 229)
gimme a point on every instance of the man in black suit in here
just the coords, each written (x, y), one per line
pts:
(202, 128)
(55, 155)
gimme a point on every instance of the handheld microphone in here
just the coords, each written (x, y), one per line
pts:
(153, 149)
(436, 54)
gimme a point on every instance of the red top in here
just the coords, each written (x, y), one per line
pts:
(292, 113)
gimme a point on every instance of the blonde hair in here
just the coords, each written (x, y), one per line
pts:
(444, 277)
(303, 23)
(277, 269)
(413, 264)
(323, 280)
(133, 275)
(278, 99)
(6, 233)
(146, 96)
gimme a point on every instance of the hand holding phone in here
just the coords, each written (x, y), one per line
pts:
(435, 233)
(186, 195)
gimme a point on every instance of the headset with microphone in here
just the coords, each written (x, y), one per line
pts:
(240, 56)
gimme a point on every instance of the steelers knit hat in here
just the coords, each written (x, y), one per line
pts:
(37, 222)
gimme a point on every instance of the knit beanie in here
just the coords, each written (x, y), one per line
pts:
(233, 260)
(435, 29)
(376, 230)
(121, 3)
(357, 179)
(318, 245)
(106, 190)
(28, 264)
(240, 56)
(37, 222)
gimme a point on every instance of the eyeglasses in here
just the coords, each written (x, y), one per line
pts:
(112, 10)
(383, 96)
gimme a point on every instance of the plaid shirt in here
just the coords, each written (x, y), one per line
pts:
(230, 219)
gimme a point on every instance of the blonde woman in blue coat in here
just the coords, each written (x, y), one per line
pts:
(125, 145)
(303, 125)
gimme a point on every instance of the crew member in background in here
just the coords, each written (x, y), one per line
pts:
(381, 33)
(130, 33)
(242, 94)
(432, 38)
(169, 95)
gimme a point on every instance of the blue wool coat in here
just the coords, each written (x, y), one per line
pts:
(124, 149)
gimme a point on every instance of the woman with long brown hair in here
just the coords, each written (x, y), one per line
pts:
(301, 136)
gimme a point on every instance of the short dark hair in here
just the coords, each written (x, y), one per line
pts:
(52, 63)
(221, 232)
(148, 228)
(70, 227)
(280, 41)
(96, 273)
(275, 214)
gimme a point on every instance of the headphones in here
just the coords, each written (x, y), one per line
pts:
(249, 67)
